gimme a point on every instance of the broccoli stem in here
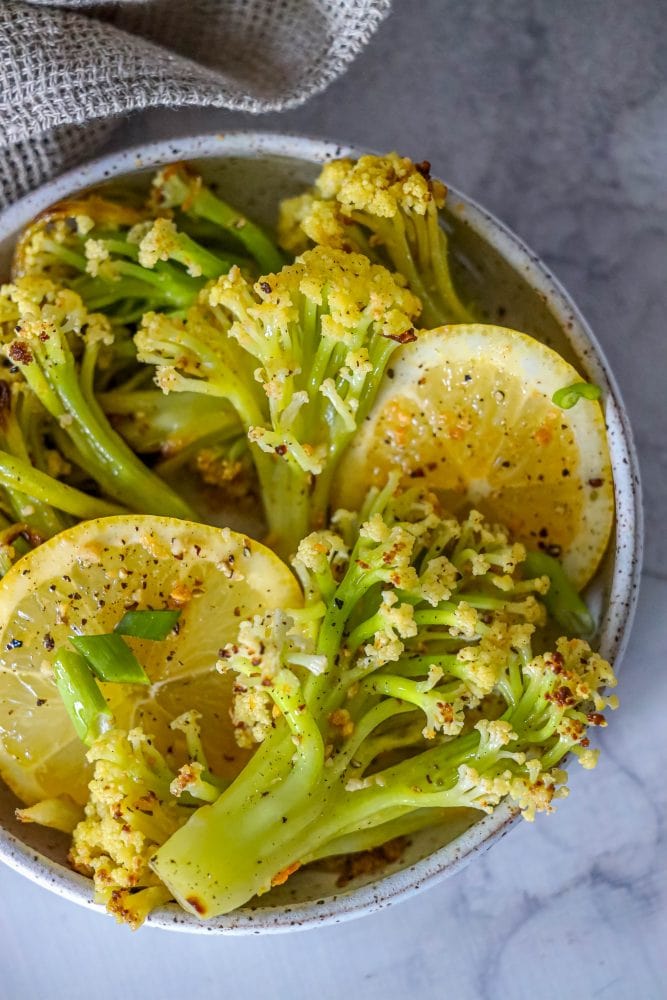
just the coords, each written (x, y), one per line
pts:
(441, 273)
(190, 254)
(195, 199)
(562, 600)
(242, 850)
(285, 491)
(16, 474)
(12, 544)
(169, 286)
(21, 435)
(50, 370)
(417, 247)
(376, 836)
(44, 521)
(153, 421)
(394, 240)
(158, 287)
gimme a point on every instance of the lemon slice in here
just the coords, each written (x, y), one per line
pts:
(82, 581)
(467, 411)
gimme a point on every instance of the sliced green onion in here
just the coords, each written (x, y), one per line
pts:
(81, 696)
(110, 658)
(561, 600)
(147, 624)
(571, 394)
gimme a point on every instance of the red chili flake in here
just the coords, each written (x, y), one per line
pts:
(407, 337)
(281, 449)
(595, 483)
(562, 696)
(20, 352)
(556, 662)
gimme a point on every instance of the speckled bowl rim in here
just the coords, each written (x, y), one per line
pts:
(624, 584)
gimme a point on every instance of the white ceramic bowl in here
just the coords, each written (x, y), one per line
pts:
(254, 171)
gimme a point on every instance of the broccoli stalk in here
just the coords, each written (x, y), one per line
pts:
(47, 323)
(20, 479)
(562, 601)
(121, 270)
(299, 356)
(391, 655)
(178, 186)
(387, 208)
(153, 422)
(44, 246)
(19, 423)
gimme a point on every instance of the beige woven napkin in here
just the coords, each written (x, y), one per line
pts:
(67, 67)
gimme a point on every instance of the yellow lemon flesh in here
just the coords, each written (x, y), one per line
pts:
(83, 580)
(467, 410)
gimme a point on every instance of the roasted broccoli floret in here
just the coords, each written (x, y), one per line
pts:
(119, 259)
(299, 355)
(53, 244)
(136, 802)
(178, 186)
(387, 208)
(54, 342)
(419, 636)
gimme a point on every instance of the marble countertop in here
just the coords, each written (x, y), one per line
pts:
(554, 116)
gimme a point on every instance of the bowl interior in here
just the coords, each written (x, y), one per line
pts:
(512, 288)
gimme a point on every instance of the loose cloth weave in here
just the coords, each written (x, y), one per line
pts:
(69, 67)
